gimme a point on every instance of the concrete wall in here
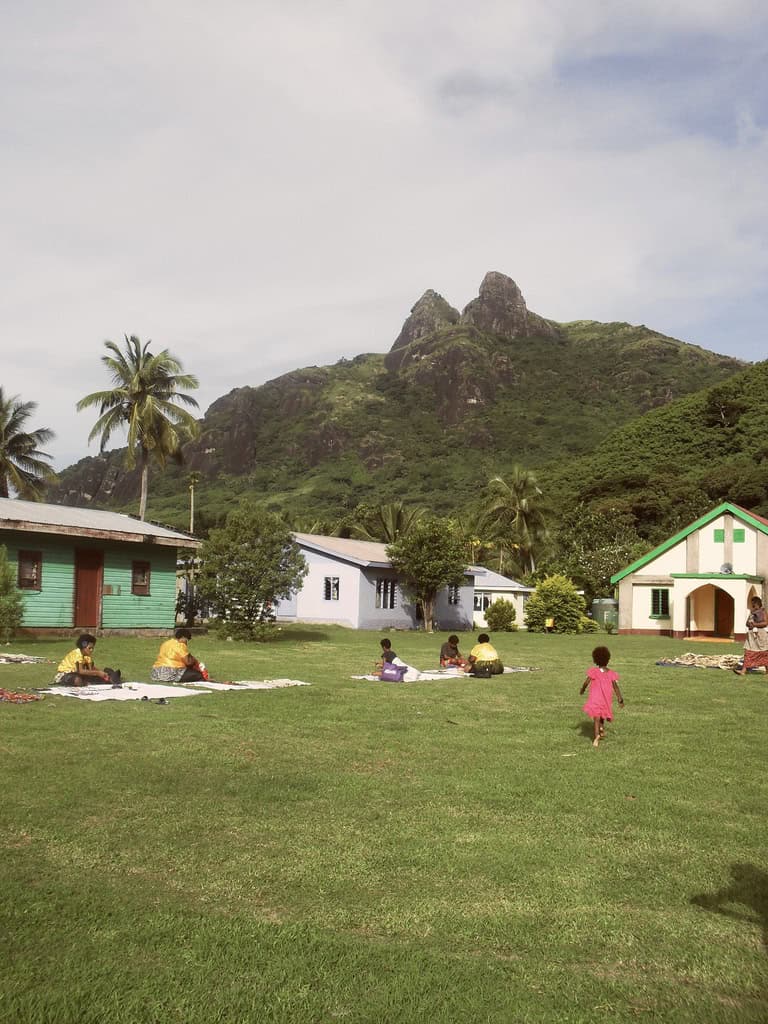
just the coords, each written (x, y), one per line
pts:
(402, 616)
(311, 605)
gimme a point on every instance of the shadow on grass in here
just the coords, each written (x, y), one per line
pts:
(748, 889)
(307, 636)
(586, 729)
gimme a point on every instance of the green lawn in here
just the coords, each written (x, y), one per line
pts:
(445, 852)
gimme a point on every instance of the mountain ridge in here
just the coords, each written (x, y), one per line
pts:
(458, 397)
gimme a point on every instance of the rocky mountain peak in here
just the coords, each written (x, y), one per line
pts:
(428, 315)
(500, 309)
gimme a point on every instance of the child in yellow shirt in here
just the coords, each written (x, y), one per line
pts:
(77, 667)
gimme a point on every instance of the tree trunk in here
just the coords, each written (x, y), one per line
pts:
(144, 462)
(428, 604)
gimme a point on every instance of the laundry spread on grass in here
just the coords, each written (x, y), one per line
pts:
(162, 692)
(413, 675)
(252, 684)
(10, 697)
(128, 691)
(22, 659)
(727, 662)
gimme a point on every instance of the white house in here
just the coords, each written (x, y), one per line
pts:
(352, 583)
(489, 587)
(700, 581)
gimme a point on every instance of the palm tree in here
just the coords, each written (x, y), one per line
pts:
(386, 523)
(515, 517)
(23, 466)
(143, 401)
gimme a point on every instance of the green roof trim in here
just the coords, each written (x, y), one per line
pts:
(726, 506)
(715, 576)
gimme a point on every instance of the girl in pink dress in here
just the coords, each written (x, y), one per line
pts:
(602, 683)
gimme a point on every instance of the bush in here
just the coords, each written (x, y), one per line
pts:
(11, 602)
(501, 616)
(251, 632)
(589, 625)
(555, 598)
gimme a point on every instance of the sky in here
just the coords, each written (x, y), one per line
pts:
(259, 186)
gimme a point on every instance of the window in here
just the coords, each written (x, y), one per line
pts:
(331, 588)
(659, 604)
(482, 601)
(30, 570)
(453, 595)
(385, 592)
(719, 536)
(140, 579)
(739, 536)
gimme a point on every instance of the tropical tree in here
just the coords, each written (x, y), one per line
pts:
(247, 566)
(592, 544)
(385, 523)
(143, 401)
(473, 526)
(430, 556)
(23, 466)
(11, 601)
(514, 517)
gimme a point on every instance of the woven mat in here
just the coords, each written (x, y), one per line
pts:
(690, 660)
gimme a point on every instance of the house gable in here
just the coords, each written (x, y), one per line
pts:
(749, 518)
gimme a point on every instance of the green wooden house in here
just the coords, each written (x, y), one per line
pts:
(85, 569)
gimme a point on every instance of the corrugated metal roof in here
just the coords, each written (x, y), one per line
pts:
(364, 552)
(487, 579)
(41, 517)
(361, 552)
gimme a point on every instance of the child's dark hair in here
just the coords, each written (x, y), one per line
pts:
(601, 656)
(84, 639)
(386, 644)
(182, 634)
(483, 639)
(453, 639)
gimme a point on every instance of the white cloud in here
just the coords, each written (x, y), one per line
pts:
(259, 186)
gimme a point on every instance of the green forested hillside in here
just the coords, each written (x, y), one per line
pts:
(461, 406)
(672, 464)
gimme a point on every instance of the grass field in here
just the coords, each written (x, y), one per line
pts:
(450, 851)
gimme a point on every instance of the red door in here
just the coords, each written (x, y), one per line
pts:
(723, 613)
(89, 571)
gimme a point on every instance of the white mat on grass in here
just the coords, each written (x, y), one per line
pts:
(128, 691)
(414, 676)
(153, 691)
(251, 684)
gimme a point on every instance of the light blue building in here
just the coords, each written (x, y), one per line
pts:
(352, 583)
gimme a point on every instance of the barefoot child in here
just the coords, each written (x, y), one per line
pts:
(602, 683)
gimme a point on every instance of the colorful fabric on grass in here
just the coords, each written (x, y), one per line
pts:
(9, 697)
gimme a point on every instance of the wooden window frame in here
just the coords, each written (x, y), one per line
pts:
(24, 582)
(141, 568)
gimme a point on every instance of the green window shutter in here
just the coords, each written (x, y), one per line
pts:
(739, 536)
(659, 603)
(719, 536)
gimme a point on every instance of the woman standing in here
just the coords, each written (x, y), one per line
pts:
(756, 644)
